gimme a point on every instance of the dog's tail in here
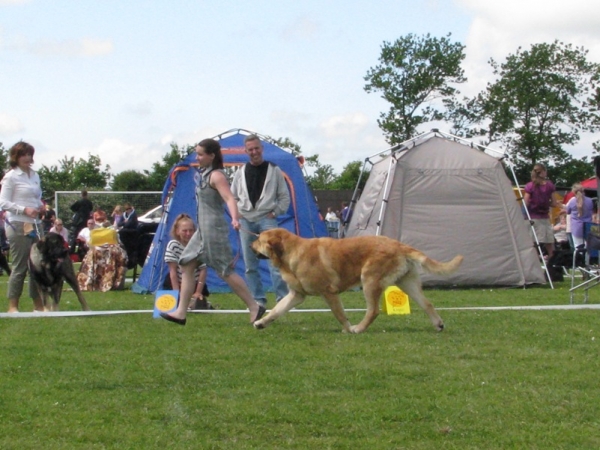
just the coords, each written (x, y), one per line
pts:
(436, 267)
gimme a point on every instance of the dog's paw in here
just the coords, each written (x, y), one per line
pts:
(354, 329)
(259, 325)
(440, 327)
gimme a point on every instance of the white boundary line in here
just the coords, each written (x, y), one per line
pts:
(27, 315)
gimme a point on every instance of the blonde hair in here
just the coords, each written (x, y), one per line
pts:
(180, 218)
(577, 189)
(536, 174)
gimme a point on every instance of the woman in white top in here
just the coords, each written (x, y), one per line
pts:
(21, 198)
(331, 216)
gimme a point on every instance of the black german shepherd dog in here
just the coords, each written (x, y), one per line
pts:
(50, 265)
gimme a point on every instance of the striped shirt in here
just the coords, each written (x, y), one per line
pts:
(173, 253)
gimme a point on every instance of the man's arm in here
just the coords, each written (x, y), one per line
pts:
(283, 194)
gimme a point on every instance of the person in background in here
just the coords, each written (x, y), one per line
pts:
(83, 239)
(99, 217)
(333, 223)
(345, 216)
(182, 230)
(580, 208)
(210, 243)
(59, 228)
(130, 220)
(539, 198)
(597, 173)
(117, 217)
(82, 210)
(48, 218)
(261, 193)
(4, 247)
(561, 237)
(21, 198)
(346, 213)
(331, 216)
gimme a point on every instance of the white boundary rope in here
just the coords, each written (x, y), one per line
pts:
(28, 315)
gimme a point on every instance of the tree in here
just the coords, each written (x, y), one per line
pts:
(157, 177)
(3, 160)
(71, 175)
(412, 74)
(287, 144)
(569, 171)
(349, 177)
(543, 98)
(130, 180)
(323, 175)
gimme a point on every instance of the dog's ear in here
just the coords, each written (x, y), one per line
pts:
(276, 245)
(41, 245)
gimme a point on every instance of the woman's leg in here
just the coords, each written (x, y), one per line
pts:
(20, 246)
(188, 286)
(237, 285)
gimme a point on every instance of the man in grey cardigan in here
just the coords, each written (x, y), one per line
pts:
(262, 194)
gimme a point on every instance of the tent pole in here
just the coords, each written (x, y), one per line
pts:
(521, 198)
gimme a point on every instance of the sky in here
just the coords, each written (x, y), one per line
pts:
(124, 79)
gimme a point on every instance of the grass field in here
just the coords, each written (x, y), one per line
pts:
(491, 380)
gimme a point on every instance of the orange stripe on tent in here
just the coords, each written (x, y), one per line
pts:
(233, 150)
(174, 175)
(288, 180)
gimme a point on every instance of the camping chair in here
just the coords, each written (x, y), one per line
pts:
(333, 228)
(130, 239)
(583, 256)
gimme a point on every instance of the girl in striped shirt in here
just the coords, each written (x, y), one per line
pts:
(182, 230)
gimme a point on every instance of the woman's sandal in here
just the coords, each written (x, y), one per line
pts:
(261, 312)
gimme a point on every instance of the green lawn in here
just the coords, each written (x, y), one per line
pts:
(491, 380)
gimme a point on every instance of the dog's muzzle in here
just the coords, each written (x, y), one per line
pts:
(258, 254)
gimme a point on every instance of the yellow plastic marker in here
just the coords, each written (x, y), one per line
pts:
(395, 301)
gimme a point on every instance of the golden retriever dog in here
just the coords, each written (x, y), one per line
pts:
(328, 267)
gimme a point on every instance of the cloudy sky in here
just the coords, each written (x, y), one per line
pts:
(124, 79)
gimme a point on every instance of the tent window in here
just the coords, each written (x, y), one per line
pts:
(372, 195)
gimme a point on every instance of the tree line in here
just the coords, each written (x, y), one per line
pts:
(539, 103)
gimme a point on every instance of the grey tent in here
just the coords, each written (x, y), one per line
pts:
(446, 197)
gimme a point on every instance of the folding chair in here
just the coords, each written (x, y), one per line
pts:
(582, 263)
(333, 228)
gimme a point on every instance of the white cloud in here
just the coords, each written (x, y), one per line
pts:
(499, 28)
(303, 28)
(9, 124)
(343, 126)
(142, 108)
(85, 47)
(536, 15)
(346, 138)
(13, 2)
(119, 155)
